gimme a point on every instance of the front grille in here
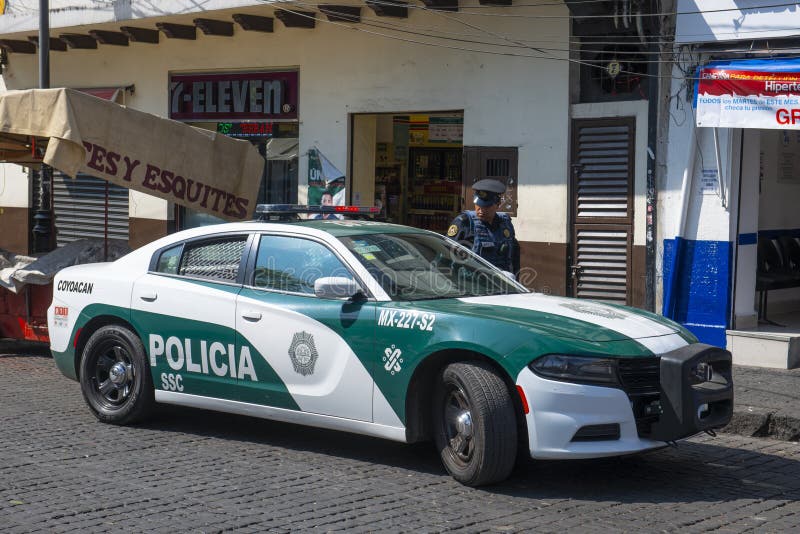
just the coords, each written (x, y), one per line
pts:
(641, 380)
(640, 375)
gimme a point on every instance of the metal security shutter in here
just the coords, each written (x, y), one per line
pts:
(602, 209)
(603, 253)
(88, 207)
(603, 161)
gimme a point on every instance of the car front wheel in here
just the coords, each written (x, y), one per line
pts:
(474, 424)
(115, 378)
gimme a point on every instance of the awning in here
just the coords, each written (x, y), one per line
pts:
(114, 94)
(757, 93)
(199, 169)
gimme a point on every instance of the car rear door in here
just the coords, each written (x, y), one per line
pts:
(318, 350)
(184, 308)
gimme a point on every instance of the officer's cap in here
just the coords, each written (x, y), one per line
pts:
(487, 192)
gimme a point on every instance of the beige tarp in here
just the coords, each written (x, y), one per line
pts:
(199, 169)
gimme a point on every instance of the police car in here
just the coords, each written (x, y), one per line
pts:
(382, 330)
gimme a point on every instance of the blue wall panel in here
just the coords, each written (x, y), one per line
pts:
(697, 286)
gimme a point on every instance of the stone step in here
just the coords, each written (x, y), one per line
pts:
(764, 349)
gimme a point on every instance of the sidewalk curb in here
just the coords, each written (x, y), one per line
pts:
(753, 421)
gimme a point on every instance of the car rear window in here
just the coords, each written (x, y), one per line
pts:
(217, 259)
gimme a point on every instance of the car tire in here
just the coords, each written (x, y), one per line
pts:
(475, 428)
(115, 377)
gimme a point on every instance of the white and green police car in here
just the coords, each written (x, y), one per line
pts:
(383, 330)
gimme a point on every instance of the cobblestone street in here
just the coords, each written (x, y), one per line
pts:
(188, 470)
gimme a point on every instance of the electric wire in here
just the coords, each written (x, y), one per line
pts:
(654, 39)
(518, 43)
(583, 17)
(589, 63)
(378, 22)
(592, 64)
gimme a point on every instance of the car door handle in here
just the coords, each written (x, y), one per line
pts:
(251, 315)
(149, 297)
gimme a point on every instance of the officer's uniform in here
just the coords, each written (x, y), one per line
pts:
(496, 241)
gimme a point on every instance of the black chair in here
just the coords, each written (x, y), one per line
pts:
(778, 267)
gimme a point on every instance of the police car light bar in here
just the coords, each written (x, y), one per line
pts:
(264, 211)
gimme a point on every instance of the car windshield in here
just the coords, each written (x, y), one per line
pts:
(417, 266)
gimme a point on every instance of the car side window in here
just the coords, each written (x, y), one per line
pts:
(169, 259)
(216, 260)
(293, 264)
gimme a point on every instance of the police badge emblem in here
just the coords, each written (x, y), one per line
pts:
(590, 309)
(453, 230)
(507, 232)
(303, 353)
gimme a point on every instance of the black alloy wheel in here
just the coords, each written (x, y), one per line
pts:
(475, 426)
(115, 378)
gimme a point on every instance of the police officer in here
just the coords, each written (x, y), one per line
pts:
(488, 233)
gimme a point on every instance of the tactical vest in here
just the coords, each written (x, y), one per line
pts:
(495, 246)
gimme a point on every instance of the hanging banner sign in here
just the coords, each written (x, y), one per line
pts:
(233, 96)
(199, 169)
(728, 98)
(325, 181)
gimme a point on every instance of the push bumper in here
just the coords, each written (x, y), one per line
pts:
(568, 420)
(696, 392)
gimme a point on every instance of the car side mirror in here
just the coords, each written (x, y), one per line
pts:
(336, 287)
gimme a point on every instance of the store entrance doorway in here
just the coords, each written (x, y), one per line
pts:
(409, 165)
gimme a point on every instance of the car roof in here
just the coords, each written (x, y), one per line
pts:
(334, 227)
(343, 228)
(316, 228)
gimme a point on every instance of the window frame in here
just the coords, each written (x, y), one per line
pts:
(253, 256)
(199, 241)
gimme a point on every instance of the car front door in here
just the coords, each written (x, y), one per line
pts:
(184, 308)
(317, 349)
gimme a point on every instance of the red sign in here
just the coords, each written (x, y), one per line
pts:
(748, 99)
(233, 96)
(747, 83)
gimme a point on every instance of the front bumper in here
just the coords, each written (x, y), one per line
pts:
(568, 420)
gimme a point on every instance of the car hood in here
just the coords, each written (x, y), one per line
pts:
(564, 317)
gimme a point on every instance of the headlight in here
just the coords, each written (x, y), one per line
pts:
(576, 369)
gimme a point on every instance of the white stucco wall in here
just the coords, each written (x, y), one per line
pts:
(507, 101)
(707, 218)
(731, 20)
(708, 215)
(23, 15)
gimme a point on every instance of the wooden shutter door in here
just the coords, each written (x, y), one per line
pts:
(602, 208)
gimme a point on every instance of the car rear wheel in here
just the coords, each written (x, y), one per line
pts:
(474, 424)
(115, 378)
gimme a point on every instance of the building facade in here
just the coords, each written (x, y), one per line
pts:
(412, 102)
(727, 203)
